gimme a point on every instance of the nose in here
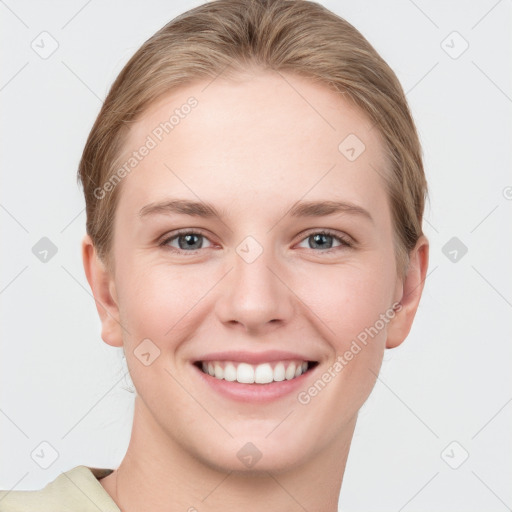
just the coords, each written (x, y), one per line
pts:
(254, 296)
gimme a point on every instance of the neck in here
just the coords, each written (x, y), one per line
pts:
(157, 473)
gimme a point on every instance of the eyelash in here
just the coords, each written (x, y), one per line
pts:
(344, 241)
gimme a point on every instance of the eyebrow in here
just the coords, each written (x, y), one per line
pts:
(207, 210)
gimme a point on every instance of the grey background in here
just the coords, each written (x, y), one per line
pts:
(448, 382)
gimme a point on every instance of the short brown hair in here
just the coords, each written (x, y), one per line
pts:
(295, 36)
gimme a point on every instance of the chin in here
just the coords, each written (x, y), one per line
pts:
(256, 454)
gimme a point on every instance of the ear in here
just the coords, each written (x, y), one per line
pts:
(409, 294)
(104, 292)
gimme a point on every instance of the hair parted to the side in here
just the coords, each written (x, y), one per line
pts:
(229, 37)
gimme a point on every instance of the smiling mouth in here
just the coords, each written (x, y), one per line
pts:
(264, 373)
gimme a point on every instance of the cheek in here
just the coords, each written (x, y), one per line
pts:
(157, 299)
(348, 299)
(355, 303)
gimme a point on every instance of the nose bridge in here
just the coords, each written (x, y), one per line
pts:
(254, 295)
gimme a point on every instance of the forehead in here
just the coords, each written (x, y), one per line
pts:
(270, 135)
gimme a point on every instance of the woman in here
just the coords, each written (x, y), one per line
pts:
(254, 191)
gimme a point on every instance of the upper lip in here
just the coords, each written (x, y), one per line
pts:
(253, 357)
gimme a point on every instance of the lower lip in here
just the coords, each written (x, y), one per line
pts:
(260, 393)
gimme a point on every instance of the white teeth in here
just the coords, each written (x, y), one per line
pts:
(245, 373)
(279, 372)
(219, 371)
(263, 373)
(290, 371)
(230, 372)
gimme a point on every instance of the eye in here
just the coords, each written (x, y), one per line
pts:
(324, 240)
(192, 241)
(188, 241)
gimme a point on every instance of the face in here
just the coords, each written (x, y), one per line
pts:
(254, 281)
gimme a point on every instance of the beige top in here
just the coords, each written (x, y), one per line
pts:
(73, 490)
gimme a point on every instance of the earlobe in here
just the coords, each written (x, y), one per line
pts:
(412, 288)
(104, 292)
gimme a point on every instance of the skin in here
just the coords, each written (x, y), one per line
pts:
(252, 147)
